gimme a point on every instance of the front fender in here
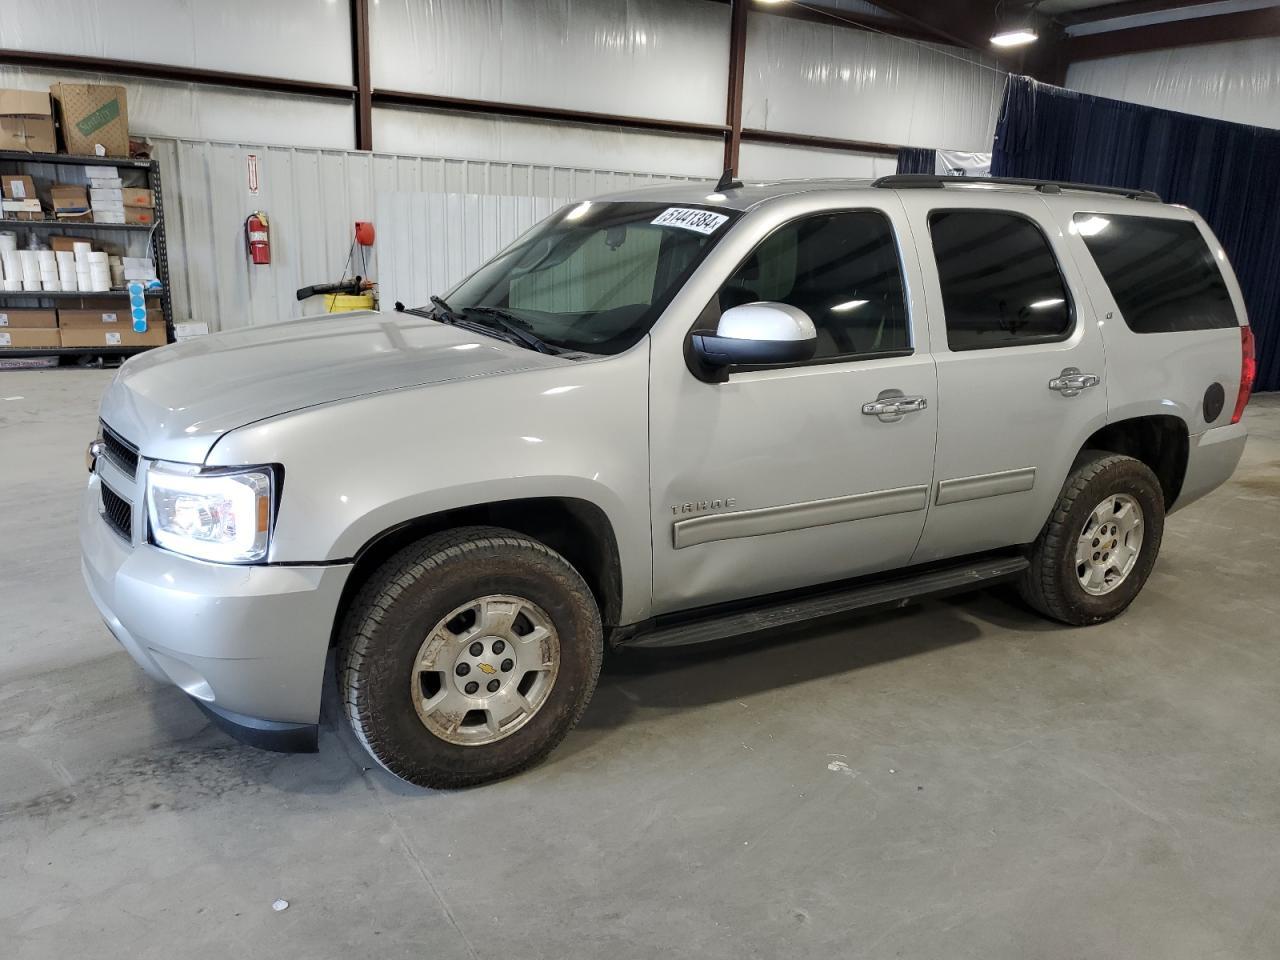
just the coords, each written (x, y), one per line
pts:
(356, 468)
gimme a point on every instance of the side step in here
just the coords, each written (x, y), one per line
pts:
(780, 613)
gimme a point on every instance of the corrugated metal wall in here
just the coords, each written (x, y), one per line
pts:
(312, 198)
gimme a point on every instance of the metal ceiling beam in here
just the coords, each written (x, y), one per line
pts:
(967, 23)
(1128, 8)
(1245, 25)
(834, 16)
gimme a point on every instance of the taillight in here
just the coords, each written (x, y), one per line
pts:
(1248, 372)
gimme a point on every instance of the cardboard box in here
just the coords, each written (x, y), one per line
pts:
(18, 186)
(26, 121)
(94, 119)
(137, 197)
(27, 318)
(107, 194)
(23, 337)
(108, 216)
(117, 315)
(70, 201)
(22, 209)
(107, 183)
(106, 336)
(141, 215)
(67, 244)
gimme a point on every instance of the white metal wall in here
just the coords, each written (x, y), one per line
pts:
(1237, 81)
(433, 240)
(312, 199)
(825, 80)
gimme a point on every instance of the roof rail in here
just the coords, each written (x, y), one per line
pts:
(916, 181)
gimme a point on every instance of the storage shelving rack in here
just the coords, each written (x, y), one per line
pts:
(18, 161)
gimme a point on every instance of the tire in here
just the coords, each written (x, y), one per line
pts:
(394, 627)
(1052, 585)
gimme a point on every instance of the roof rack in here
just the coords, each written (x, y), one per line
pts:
(918, 181)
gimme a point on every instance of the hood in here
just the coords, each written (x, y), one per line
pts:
(174, 403)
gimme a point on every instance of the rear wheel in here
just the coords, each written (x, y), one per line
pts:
(1100, 544)
(468, 656)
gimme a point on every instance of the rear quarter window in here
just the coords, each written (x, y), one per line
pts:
(1161, 273)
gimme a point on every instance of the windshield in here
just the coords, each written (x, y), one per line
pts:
(595, 276)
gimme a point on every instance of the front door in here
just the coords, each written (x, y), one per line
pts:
(777, 478)
(1021, 368)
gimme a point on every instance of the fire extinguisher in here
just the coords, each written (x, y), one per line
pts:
(258, 235)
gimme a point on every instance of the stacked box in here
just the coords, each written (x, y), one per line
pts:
(28, 329)
(20, 199)
(109, 327)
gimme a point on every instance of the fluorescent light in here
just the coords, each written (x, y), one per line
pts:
(1046, 304)
(1090, 226)
(578, 212)
(848, 305)
(1015, 38)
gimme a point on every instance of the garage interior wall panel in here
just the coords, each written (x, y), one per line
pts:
(653, 58)
(510, 140)
(770, 161)
(312, 199)
(832, 81)
(239, 36)
(160, 108)
(1238, 81)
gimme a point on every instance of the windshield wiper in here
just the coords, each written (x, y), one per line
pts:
(512, 325)
(442, 305)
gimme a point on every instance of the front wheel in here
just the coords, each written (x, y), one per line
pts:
(468, 656)
(1100, 544)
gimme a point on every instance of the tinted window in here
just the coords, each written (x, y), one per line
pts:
(1000, 282)
(1160, 272)
(841, 269)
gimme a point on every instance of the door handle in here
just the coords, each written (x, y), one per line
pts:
(1070, 382)
(891, 409)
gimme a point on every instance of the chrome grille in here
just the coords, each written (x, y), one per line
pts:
(117, 511)
(122, 453)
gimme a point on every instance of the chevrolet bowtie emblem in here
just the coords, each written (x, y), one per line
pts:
(487, 668)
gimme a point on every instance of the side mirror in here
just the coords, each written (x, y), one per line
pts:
(758, 333)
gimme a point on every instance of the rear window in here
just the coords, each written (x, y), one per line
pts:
(1162, 274)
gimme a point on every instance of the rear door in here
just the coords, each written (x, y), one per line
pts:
(1021, 366)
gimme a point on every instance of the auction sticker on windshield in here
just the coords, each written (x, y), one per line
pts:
(702, 221)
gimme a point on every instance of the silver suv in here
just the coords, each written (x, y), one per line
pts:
(663, 417)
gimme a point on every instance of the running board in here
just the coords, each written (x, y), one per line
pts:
(782, 613)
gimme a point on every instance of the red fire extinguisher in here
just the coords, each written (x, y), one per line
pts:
(258, 234)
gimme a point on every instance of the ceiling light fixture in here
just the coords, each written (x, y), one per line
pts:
(1014, 38)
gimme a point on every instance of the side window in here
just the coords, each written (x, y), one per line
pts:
(842, 270)
(1001, 285)
(1161, 273)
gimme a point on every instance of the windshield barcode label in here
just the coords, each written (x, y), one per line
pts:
(701, 221)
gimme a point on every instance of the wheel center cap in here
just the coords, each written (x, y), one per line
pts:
(482, 666)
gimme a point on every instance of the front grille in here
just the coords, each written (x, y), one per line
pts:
(123, 454)
(117, 511)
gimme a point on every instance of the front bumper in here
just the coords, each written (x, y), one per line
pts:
(247, 643)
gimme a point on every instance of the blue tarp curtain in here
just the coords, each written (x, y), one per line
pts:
(916, 159)
(1228, 172)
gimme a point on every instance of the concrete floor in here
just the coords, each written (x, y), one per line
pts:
(957, 780)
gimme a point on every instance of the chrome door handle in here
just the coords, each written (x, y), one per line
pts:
(1071, 381)
(891, 409)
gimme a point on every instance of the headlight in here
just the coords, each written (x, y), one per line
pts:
(224, 517)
